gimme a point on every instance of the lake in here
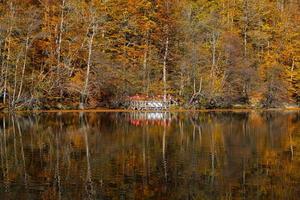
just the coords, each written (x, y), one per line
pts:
(201, 155)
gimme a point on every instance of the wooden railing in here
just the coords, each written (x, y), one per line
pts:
(149, 105)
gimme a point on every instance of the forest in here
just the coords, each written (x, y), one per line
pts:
(65, 54)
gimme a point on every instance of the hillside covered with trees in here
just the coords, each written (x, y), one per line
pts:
(205, 53)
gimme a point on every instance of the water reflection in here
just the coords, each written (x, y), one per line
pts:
(150, 118)
(253, 155)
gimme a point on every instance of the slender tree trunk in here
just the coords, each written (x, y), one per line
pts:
(213, 51)
(200, 86)
(15, 84)
(292, 71)
(194, 85)
(2, 63)
(245, 42)
(23, 69)
(6, 67)
(181, 81)
(145, 69)
(246, 26)
(213, 65)
(5, 86)
(165, 69)
(148, 71)
(3, 67)
(8, 52)
(58, 50)
(90, 47)
(193, 66)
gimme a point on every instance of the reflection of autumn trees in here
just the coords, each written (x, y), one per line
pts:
(199, 156)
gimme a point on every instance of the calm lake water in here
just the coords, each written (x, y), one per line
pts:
(213, 155)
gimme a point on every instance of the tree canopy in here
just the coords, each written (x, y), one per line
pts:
(205, 53)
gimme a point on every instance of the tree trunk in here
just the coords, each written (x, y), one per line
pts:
(58, 50)
(165, 69)
(15, 83)
(145, 69)
(60, 31)
(213, 65)
(200, 86)
(246, 26)
(86, 83)
(23, 69)
(2, 62)
(3, 68)
(8, 53)
(181, 81)
(292, 70)
(148, 71)
(6, 68)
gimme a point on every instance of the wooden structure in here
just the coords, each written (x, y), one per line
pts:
(149, 105)
(145, 103)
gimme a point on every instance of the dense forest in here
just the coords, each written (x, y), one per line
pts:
(96, 53)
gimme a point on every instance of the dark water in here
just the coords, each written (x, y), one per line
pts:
(217, 155)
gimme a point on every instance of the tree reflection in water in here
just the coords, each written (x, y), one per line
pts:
(214, 155)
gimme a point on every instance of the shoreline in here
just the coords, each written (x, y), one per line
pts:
(102, 110)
